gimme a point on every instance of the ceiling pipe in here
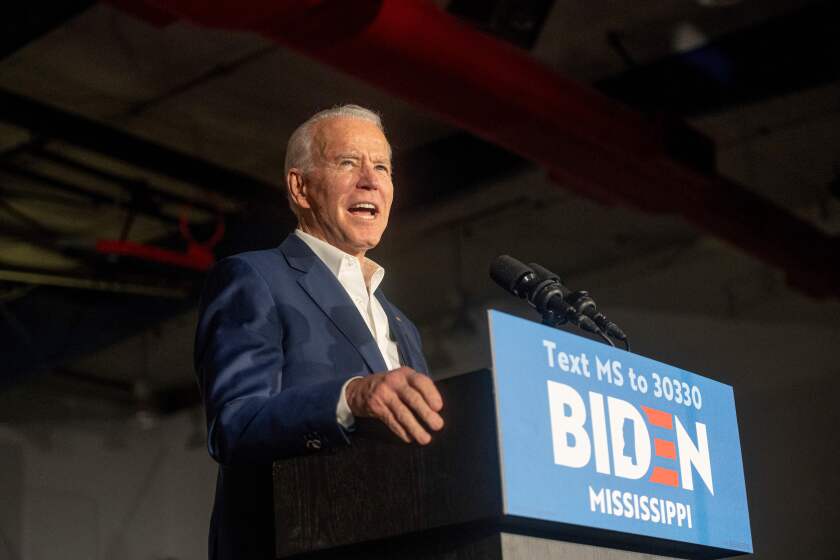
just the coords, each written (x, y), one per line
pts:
(588, 142)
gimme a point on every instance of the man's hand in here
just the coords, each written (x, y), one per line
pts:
(401, 398)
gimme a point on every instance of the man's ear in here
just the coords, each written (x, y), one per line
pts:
(296, 185)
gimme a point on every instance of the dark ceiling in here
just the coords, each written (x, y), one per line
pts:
(129, 137)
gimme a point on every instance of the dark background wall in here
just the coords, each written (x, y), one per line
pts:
(120, 125)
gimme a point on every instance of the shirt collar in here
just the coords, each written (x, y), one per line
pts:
(333, 257)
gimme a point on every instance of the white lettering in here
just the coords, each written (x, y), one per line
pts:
(698, 456)
(585, 362)
(628, 505)
(550, 347)
(681, 514)
(617, 510)
(617, 377)
(569, 454)
(643, 507)
(670, 510)
(654, 506)
(604, 369)
(563, 361)
(596, 500)
(599, 433)
(649, 509)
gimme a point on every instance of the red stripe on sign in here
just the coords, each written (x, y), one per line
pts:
(665, 476)
(659, 418)
(665, 448)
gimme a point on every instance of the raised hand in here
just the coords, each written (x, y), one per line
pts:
(406, 401)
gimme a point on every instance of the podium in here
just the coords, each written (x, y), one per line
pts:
(545, 455)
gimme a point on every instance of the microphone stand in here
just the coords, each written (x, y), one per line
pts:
(577, 308)
(551, 319)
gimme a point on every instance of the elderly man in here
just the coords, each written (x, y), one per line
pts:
(296, 342)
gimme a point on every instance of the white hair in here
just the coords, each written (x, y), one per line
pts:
(299, 148)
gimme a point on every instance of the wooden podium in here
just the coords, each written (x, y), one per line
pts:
(380, 498)
(559, 451)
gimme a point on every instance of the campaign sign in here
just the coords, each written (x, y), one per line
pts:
(594, 436)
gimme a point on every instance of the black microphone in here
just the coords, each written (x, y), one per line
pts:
(545, 294)
(582, 303)
(513, 276)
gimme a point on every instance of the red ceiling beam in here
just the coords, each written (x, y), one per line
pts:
(588, 142)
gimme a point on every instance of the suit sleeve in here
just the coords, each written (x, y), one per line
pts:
(251, 418)
(422, 365)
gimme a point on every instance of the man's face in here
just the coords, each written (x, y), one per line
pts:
(345, 197)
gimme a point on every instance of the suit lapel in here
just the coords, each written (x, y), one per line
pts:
(331, 297)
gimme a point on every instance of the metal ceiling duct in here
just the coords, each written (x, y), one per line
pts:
(588, 142)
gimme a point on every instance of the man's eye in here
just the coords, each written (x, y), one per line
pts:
(383, 168)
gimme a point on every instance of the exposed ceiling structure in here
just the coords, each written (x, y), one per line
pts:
(129, 137)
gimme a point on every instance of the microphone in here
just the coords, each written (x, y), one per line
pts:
(582, 303)
(544, 293)
(513, 276)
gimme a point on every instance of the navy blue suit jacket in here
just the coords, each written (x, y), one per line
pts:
(277, 338)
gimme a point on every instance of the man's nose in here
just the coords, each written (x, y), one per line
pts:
(368, 179)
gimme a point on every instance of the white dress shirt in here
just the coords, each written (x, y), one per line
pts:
(348, 271)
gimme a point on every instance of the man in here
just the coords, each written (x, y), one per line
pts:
(296, 342)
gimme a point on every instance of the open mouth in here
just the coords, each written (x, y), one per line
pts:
(364, 210)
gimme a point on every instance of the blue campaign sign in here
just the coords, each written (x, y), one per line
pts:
(595, 436)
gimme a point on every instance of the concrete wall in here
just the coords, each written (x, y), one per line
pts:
(105, 491)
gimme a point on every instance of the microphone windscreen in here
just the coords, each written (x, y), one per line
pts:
(507, 272)
(545, 274)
